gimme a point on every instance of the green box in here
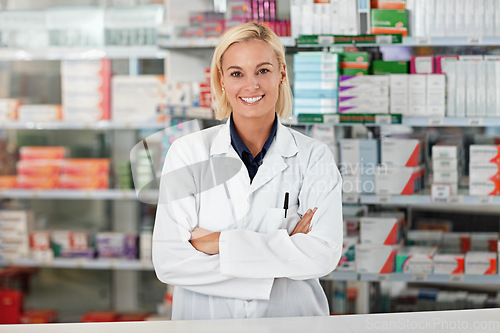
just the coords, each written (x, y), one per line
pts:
(380, 67)
(353, 71)
(389, 21)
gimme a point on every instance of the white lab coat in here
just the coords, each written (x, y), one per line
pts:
(260, 270)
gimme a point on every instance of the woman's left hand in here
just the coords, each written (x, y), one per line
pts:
(205, 241)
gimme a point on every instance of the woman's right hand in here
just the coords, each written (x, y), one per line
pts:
(304, 225)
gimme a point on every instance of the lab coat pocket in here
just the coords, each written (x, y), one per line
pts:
(275, 219)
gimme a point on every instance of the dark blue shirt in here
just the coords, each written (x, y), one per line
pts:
(252, 163)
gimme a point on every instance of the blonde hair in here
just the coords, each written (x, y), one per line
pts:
(239, 34)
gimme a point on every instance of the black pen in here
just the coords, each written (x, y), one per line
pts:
(285, 204)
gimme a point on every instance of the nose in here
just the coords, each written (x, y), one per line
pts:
(252, 83)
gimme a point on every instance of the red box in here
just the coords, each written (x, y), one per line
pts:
(99, 316)
(40, 316)
(11, 305)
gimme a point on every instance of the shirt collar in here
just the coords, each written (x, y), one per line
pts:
(240, 146)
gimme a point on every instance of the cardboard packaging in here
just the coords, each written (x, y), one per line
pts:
(399, 180)
(415, 259)
(449, 264)
(348, 259)
(9, 109)
(422, 65)
(42, 153)
(375, 259)
(484, 241)
(426, 238)
(481, 263)
(137, 98)
(39, 113)
(389, 21)
(380, 230)
(116, 245)
(397, 151)
(484, 154)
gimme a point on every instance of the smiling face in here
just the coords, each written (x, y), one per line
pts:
(251, 76)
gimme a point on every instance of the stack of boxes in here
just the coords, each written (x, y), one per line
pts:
(71, 244)
(359, 159)
(116, 245)
(401, 170)
(315, 82)
(415, 259)
(354, 63)
(484, 170)
(446, 168)
(14, 234)
(364, 94)
(86, 90)
(380, 235)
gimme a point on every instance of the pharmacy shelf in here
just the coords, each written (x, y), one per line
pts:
(188, 112)
(166, 42)
(452, 41)
(83, 263)
(70, 53)
(450, 121)
(66, 125)
(76, 194)
(422, 199)
(432, 278)
(341, 276)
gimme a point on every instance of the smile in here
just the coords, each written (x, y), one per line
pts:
(252, 99)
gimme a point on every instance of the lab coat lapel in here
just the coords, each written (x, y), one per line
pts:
(283, 146)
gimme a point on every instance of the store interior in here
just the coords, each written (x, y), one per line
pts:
(408, 100)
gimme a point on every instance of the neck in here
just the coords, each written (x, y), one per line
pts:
(254, 132)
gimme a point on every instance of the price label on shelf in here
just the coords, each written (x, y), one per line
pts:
(382, 277)
(383, 119)
(485, 200)
(456, 199)
(383, 39)
(350, 198)
(475, 121)
(113, 263)
(436, 121)
(423, 40)
(146, 264)
(325, 40)
(419, 277)
(457, 278)
(474, 40)
(81, 262)
(331, 118)
(383, 199)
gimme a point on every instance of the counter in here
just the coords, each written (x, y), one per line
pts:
(481, 320)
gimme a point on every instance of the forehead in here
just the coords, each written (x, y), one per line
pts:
(248, 53)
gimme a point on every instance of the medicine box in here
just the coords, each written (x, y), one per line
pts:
(348, 259)
(442, 61)
(481, 263)
(9, 109)
(380, 67)
(415, 259)
(425, 237)
(398, 180)
(449, 264)
(398, 151)
(422, 65)
(389, 21)
(375, 259)
(42, 153)
(137, 98)
(39, 113)
(359, 151)
(380, 230)
(484, 241)
(484, 154)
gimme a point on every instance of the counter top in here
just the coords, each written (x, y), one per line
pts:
(481, 320)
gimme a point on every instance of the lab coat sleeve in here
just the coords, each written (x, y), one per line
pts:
(175, 260)
(249, 254)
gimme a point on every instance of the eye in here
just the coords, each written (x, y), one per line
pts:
(263, 71)
(235, 74)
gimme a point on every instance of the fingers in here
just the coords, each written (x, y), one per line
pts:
(304, 225)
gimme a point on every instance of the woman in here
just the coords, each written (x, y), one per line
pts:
(254, 242)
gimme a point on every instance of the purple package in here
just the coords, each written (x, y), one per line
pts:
(87, 253)
(110, 245)
(130, 246)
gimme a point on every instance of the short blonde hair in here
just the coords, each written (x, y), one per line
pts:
(239, 34)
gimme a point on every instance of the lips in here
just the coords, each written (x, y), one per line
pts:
(251, 100)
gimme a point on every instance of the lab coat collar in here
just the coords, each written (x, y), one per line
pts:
(284, 141)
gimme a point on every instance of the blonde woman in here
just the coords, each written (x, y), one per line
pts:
(261, 218)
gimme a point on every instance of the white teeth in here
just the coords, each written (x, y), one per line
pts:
(252, 100)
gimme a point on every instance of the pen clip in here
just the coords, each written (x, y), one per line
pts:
(285, 204)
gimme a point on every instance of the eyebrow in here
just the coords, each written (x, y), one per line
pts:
(259, 65)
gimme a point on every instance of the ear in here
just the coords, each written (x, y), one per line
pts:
(283, 73)
(221, 79)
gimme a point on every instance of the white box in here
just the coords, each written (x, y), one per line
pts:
(460, 12)
(450, 18)
(365, 91)
(85, 90)
(451, 82)
(489, 18)
(481, 77)
(415, 259)
(470, 18)
(497, 83)
(417, 84)
(461, 89)
(471, 99)
(480, 154)
(348, 258)
(445, 151)
(425, 237)
(484, 172)
(436, 94)
(358, 80)
(481, 263)
(295, 18)
(497, 15)
(39, 113)
(397, 151)
(317, 19)
(440, 176)
(491, 89)
(445, 164)
(380, 230)
(398, 180)
(145, 243)
(449, 264)
(483, 188)
(9, 109)
(307, 17)
(399, 95)
(137, 98)
(484, 241)
(359, 151)
(375, 259)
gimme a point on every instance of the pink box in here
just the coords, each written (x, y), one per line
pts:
(441, 61)
(422, 65)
